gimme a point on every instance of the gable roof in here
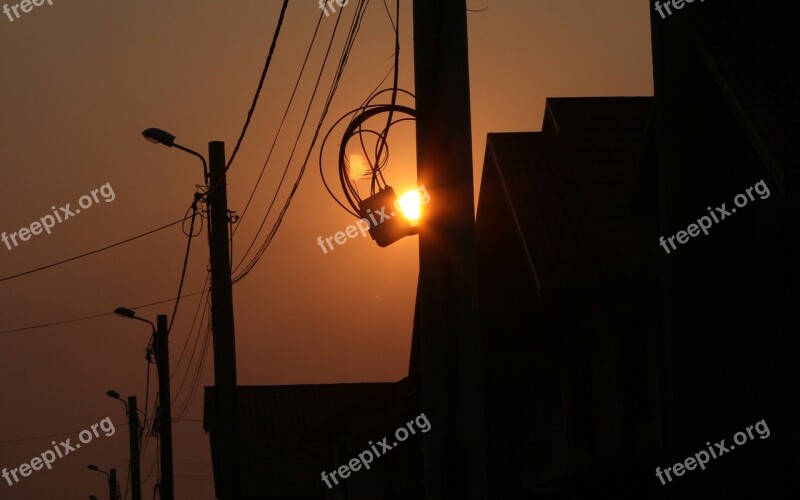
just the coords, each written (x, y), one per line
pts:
(569, 190)
(752, 50)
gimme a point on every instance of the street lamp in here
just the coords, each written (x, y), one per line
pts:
(222, 325)
(133, 442)
(158, 136)
(165, 423)
(115, 395)
(124, 312)
(112, 480)
(385, 228)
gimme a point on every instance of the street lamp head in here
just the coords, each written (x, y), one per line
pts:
(115, 395)
(124, 312)
(158, 136)
(384, 233)
(96, 469)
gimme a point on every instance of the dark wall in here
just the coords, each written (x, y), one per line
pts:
(731, 296)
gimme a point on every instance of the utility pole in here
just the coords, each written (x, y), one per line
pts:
(222, 325)
(133, 446)
(450, 352)
(165, 419)
(112, 484)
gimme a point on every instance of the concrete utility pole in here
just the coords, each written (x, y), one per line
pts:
(167, 487)
(222, 325)
(450, 352)
(133, 446)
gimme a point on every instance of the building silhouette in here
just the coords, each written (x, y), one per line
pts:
(604, 356)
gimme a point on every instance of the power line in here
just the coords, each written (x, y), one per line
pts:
(190, 235)
(350, 40)
(280, 127)
(48, 436)
(143, 434)
(194, 348)
(297, 139)
(191, 329)
(355, 127)
(260, 84)
(84, 318)
(384, 137)
(183, 463)
(93, 251)
(185, 265)
(198, 371)
(45, 473)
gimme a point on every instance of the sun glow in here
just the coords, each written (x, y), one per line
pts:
(357, 167)
(410, 205)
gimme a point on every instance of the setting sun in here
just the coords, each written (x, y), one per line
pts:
(410, 204)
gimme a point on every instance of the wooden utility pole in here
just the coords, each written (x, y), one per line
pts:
(112, 485)
(167, 485)
(222, 325)
(450, 352)
(133, 446)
